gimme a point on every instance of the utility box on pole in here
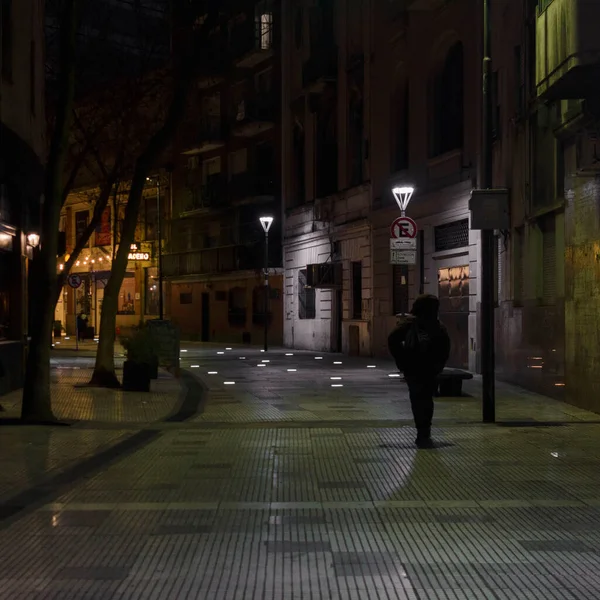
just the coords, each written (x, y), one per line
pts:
(490, 209)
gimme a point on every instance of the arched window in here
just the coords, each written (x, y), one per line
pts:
(447, 98)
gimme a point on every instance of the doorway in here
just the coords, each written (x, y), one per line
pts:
(453, 292)
(205, 333)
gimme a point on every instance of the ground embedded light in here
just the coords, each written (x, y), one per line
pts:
(184, 350)
(394, 375)
(337, 362)
(337, 385)
(261, 365)
(195, 366)
(212, 372)
(292, 370)
(335, 378)
(220, 352)
(229, 382)
(227, 348)
(371, 366)
(265, 361)
(318, 358)
(289, 354)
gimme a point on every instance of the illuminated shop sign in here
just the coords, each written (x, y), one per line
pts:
(135, 254)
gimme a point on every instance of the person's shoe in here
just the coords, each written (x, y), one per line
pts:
(424, 443)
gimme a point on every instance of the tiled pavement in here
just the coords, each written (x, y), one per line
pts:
(284, 487)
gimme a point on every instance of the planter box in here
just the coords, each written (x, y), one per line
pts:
(136, 376)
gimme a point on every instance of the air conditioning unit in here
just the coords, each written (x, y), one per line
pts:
(324, 275)
(588, 152)
(323, 210)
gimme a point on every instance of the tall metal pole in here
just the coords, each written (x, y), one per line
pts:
(487, 236)
(161, 313)
(266, 290)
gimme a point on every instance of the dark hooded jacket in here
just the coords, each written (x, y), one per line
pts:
(431, 362)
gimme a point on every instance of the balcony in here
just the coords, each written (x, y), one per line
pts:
(321, 68)
(203, 135)
(253, 115)
(568, 49)
(206, 197)
(249, 188)
(211, 261)
(252, 41)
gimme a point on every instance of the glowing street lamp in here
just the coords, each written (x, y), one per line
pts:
(266, 223)
(403, 196)
(33, 240)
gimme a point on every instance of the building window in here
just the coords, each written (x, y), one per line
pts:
(237, 307)
(266, 30)
(32, 78)
(451, 235)
(298, 28)
(495, 92)
(306, 298)
(400, 125)
(548, 228)
(6, 24)
(357, 290)
(518, 266)
(185, 297)
(399, 289)
(5, 279)
(152, 293)
(81, 223)
(150, 219)
(127, 297)
(446, 98)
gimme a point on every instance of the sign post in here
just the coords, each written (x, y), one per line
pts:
(74, 281)
(403, 241)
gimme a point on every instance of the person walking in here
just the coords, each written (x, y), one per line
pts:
(81, 326)
(420, 346)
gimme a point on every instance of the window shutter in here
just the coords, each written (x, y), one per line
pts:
(518, 255)
(549, 261)
(499, 273)
(302, 293)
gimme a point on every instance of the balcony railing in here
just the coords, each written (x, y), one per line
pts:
(568, 49)
(208, 196)
(258, 107)
(249, 185)
(322, 66)
(211, 261)
(203, 134)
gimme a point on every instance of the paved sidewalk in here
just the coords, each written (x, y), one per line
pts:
(99, 418)
(288, 488)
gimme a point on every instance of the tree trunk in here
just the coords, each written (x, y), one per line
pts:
(37, 404)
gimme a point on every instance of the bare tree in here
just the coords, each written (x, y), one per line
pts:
(194, 22)
(102, 111)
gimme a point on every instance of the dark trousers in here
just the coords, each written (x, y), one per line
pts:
(421, 392)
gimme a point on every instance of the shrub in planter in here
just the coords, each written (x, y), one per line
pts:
(141, 363)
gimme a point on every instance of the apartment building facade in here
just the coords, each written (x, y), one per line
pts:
(326, 103)
(22, 155)
(225, 177)
(139, 294)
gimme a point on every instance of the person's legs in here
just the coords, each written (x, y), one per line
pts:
(421, 401)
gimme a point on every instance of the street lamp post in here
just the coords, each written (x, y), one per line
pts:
(487, 235)
(159, 243)
(266, 223)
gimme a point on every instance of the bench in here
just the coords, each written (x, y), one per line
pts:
(450, 382)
